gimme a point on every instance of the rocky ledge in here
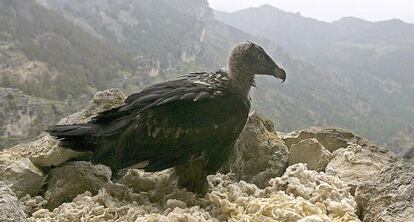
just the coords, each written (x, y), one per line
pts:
(316, 174)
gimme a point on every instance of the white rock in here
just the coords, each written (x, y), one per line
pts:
(331, 138)
(23, 177)
(389, 195)
(102, 100)
(44, 152)
(311, 152)
(356, 164)
(11, 210)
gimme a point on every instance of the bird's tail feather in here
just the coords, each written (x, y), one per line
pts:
(76, 137)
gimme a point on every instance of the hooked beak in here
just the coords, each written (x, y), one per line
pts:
(279, 73)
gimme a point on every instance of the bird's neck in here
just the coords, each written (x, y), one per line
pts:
(241, 79)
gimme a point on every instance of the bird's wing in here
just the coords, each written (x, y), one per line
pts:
(186, 125)
(158, 95)
(168, 124)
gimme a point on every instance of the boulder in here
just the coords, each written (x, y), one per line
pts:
(388, 195)
(102, 100)
(311, 152)
(73, 178)
(259, 154)
(11, 210)
(331, 138)
(46, 151)
(356, 164)
(23, 177)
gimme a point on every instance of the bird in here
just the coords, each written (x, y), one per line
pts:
(189, 124)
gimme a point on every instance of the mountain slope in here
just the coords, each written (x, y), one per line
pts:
(69, 50)
(166, 29)
(81, 61)
(49, 61)
(22, 116)
(370, 61)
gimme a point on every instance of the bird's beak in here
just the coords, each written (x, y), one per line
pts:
(279, 73)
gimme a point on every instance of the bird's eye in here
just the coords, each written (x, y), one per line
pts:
(260, 56)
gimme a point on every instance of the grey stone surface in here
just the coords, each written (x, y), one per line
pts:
(331, 138)
(73, 178)
(356, 164)
(388, 195)
(259, 154)
(11, 210)
(311, 152)
(23, 177)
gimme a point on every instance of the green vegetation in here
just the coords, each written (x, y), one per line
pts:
(83, 62)
(360, 80)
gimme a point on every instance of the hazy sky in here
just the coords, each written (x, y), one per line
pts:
(330, 10)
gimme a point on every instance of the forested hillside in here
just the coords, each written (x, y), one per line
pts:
(371, 61)
(62, 51)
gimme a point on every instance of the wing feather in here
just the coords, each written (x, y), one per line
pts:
(159, 95)
(202, 95)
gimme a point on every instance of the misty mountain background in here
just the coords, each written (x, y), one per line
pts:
(54, 54)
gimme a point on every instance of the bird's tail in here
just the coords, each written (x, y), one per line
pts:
(76, 137)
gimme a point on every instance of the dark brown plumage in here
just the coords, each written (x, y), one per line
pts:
(190, 123)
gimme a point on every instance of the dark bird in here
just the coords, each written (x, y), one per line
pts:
(190, 123)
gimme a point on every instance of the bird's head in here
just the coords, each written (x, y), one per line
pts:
(250, 59)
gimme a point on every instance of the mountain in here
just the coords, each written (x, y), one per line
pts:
(197, 42)
(48, 60)
(371, 61)
(61, 52)
(74, 62)
(167, 30)
(71, 48)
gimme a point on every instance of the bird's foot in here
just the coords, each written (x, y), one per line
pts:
(193, 177)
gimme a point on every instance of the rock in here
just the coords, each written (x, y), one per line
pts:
(33, 204)
(331, 138)
(299, 195)
(23, 177)
(46, 152)
(11, 210)
(388, 195)
(311, 152)
(356, 164)
(7, 158)
(43, 152)
(103, 100)
(73, 178)
(259, 154)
